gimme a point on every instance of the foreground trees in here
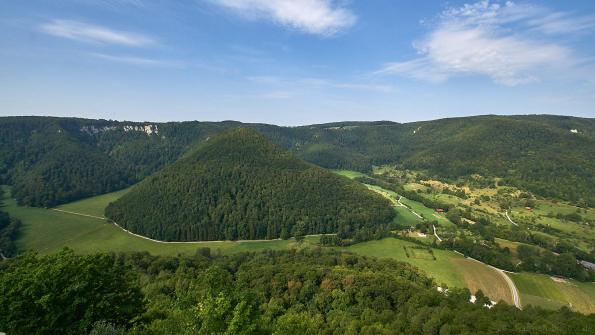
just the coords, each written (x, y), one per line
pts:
(65, 293)
(272, 292)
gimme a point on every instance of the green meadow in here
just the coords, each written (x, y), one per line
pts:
(545, 291)
(47, 231)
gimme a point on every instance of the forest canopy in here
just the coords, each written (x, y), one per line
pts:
(239, 185)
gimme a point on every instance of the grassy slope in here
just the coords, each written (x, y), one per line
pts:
(541, 290)
(93, 206)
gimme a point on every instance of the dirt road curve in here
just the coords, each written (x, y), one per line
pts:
(439, 239)
(509, 219)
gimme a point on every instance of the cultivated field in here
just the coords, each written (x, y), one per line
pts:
(544, 291)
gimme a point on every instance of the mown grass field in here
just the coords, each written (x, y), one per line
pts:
(478, 276)
(541, 290)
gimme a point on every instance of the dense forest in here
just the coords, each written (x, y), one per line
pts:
(239, 185)
(8, 231)
(272, 292)
(56, 160)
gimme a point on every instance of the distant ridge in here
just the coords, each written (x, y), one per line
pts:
(53, 160)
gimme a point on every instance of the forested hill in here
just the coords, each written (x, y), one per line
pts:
(239, 185)
(55, 160)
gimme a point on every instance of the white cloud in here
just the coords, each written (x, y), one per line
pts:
(139, 61)
(320, 17)
(508, 43)
(80, 31)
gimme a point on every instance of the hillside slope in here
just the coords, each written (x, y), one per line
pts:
(549, 155)
(238, 185)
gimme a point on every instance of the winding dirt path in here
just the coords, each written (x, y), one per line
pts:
(439, 239)
(509, 219)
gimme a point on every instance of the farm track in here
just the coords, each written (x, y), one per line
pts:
(439, 239)
(509, 219)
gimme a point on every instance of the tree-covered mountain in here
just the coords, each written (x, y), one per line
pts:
(239, 185)
(549, 155)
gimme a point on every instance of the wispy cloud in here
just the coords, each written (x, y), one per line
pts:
(84, 32)
(508, 43)
(139, 61)
(319, 17)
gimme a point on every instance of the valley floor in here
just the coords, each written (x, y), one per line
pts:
(49, 230)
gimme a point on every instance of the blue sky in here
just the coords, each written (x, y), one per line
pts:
(293, 62)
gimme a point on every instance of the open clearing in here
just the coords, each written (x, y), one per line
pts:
(541, 290)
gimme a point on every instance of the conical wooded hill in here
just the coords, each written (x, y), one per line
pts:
(238, 185)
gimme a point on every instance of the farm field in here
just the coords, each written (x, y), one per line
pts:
(542, 290)
(449, 267)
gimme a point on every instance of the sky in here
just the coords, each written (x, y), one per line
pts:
(296, 62)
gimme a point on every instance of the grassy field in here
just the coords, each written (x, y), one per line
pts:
(449, 267)
(95, 205)
(542, 290)
(427, 213)
(47, 231)
(349, 174)
(478, 276)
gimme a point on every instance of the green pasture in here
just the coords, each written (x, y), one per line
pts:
(542, 290)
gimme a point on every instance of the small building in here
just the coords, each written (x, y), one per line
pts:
(439, 210)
